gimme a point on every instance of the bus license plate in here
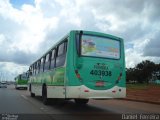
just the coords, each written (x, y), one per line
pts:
(100, 83)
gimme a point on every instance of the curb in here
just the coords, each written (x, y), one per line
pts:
(144, 101)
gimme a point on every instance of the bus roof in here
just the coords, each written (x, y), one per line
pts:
(78, 31)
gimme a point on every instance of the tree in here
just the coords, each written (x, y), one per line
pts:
(130, 73)
(143, 71)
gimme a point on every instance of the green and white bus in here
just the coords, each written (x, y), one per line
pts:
(83, 65)
(21, 81)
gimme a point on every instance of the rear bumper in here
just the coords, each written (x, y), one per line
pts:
(21, 86)
(85, 92)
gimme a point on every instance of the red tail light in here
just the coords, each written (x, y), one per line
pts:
(119, 78)
(77, 74)
(114, 91)
(86, 90)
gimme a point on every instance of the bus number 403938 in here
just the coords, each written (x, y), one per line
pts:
(101, 72)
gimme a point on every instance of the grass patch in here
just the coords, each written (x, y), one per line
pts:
(155, 85)
(141, 86)
(137, 86)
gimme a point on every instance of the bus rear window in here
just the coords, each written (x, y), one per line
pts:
(96, 46)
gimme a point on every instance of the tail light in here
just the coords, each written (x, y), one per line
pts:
(86, 90)
(119, 78)
(77, 74)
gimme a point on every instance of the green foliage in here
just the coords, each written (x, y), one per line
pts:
(143, 72)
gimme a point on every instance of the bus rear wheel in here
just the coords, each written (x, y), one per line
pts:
(30, 89)
(44, 95)
(32, 94)
(81, 101)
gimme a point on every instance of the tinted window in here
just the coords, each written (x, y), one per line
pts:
(47, 58)
(60, 49)
(20, 77)
(37, 67)
(34, 71)
(53, 54)
(96, 46)
(52, 65)
(60, 59)
(31, 69)
(24, 77)
(66, 44)
(47, 62)
(41, 64)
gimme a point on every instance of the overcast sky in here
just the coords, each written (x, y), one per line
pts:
(28, 28)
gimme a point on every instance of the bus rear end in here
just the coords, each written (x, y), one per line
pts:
(95, 66)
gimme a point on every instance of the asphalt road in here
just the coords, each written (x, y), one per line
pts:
(19, 105)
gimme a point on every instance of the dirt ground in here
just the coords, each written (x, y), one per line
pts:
(150, 94)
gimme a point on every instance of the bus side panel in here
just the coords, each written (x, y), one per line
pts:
(54, 80)
(36, 86)
(72, 83)
(55, 87)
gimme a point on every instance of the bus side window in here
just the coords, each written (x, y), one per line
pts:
(61, 54)
(41, 64)
(35, 67)
(46, 65)
(60, 49)
(20, 77)
(66, 44)
(27, 74)
(31, 70)
(52, 65)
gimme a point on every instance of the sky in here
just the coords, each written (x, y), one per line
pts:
(28, 28)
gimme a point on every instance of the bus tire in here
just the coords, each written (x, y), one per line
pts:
(30, 89)
(81, 101)
(32, 94)
(15, 86)
(44, 95)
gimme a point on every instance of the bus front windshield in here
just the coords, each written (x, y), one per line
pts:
(24, 77)
(97, 46)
